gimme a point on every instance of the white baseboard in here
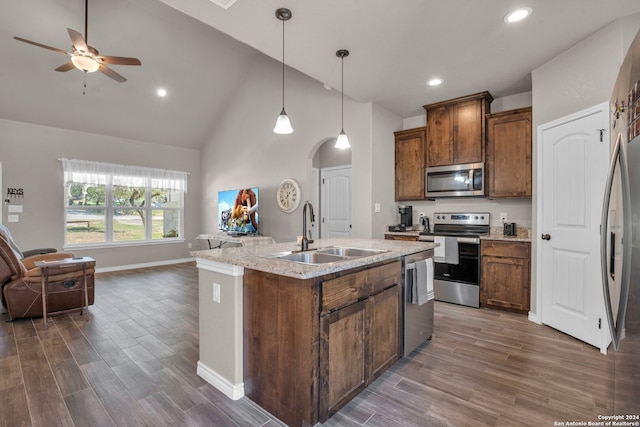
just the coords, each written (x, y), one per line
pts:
(533, 317)
(232, 391)
(143, 265)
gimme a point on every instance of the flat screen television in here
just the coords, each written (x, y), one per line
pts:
(238, 211)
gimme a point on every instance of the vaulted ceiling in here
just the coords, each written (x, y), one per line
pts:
(199, 52)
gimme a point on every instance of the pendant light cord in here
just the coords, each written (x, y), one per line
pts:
(283, 64)
(342, 91)
(86, 20)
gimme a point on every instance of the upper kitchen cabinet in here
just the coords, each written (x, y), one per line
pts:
(456, 130)
(409, 153)
(508, 154)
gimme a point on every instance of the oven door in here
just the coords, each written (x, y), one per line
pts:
(468, 268)
(455, 180)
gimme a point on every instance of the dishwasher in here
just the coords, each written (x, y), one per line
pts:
(417, 318)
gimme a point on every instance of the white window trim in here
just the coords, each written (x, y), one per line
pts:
(98, 173)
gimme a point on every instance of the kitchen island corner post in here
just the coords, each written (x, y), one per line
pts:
(220, 326)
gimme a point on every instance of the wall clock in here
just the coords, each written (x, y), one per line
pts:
(288, 195)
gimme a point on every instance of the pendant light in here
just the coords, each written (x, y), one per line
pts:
(283, 126)
(342, 141)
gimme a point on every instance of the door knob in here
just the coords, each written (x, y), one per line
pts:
(546, 237)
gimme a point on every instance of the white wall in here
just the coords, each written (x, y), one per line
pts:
(29, 155)
(383, 170)
(243, 150)
(578, 78)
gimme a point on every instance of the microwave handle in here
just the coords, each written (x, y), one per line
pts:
(470, 187)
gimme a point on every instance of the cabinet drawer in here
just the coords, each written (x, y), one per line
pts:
(347, 289)
(505, 249)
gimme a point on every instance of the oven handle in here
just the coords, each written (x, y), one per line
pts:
(431, 238)
(473, 240)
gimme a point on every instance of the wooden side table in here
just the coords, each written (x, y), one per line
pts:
(61, 264)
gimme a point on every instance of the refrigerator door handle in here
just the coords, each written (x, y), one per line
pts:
(616, 326)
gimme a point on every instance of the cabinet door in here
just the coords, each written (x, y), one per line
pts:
(468, 126)
(439, 136)
(385, 331)
(509, 154)
(343, 357)
(409, 166)
(505, 283)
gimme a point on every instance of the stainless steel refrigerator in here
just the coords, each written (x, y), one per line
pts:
(620, 237)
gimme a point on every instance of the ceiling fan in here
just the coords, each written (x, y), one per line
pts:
(87, 58)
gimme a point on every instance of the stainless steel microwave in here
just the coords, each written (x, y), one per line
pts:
(455, 180)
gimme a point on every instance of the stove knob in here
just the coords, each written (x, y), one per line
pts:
(482, 217)
(476, 217)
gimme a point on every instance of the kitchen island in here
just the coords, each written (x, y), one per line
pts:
(299, 339)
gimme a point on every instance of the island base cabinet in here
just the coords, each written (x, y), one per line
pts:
(343, 357)
(385, 332)
(357, 344)
(280, 346)
(311, 345)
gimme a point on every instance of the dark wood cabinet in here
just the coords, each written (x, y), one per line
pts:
(409, 164)
(506, 278)
(508, 154)
(312, 345)
(406, 238)
(385, 331)
(343, 357)
(456, 130)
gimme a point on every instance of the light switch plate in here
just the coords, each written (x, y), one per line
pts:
(15, 209)
(216, 292)
(13, 218)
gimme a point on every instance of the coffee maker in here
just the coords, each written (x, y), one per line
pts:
(406, 215)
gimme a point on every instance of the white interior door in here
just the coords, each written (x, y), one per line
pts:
(572, 169)
(335, 202)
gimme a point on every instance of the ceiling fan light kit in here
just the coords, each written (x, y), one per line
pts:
(86, 58)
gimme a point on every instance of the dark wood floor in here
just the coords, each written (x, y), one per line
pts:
(132, 362)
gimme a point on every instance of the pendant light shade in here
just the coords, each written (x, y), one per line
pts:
(342, 141)
(283, 125)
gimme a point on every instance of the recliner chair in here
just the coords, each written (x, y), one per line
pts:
(21, 282)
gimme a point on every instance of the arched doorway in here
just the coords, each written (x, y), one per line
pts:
(331, 190)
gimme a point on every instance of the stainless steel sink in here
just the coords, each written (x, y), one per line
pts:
(313, 257)
(326, 255)
(350, 252)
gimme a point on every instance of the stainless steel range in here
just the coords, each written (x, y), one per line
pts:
(457, 259)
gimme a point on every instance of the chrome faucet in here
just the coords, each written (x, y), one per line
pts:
(312, 217)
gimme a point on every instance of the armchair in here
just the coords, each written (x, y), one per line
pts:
(21, 285)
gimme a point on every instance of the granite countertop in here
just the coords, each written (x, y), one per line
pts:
(506, 238)
(258, 257)
(523, 234)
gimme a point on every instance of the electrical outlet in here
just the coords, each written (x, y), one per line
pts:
(216, 292)
(503, 217)
(422, 214)
(189, 245)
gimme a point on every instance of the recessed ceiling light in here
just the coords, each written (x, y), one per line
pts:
(162, 92)
(517, 15)
(434, 82)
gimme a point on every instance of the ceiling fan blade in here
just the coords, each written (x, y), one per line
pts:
(77, 40)
(55, 49)
(109, 72)
(66, 67)
(118, 60)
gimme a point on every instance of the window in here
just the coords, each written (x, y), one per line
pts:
(108, 204)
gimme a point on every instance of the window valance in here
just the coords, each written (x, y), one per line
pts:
(98, 173)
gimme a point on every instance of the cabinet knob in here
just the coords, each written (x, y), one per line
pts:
(546, 237)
